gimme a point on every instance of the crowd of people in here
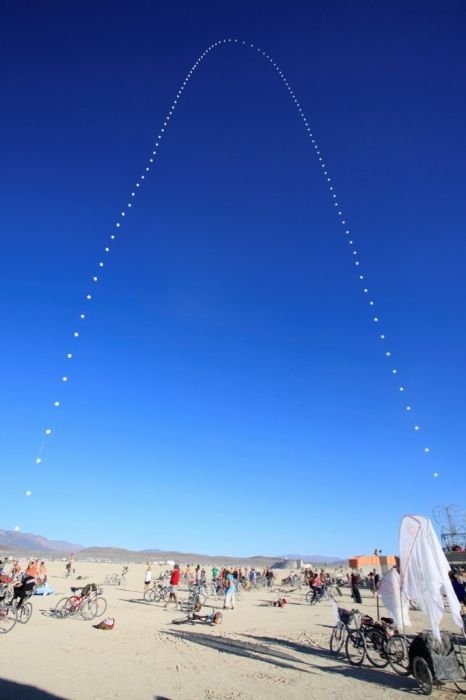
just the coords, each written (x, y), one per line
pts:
(17, 582)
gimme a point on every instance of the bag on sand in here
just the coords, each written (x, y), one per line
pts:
(107, 624)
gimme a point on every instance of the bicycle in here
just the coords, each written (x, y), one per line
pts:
(342, 628)
(112, 580)
(156, 593)
(23, 607)
(370, 639)
(8, 616)
(89, 604)
(325, 593)
(214, 618)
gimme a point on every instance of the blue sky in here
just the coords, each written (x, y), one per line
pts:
(229, 391)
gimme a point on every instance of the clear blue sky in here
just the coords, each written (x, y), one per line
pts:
(229, 392)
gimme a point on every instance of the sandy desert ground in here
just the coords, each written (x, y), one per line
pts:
(258, 652)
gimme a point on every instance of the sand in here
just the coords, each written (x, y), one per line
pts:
(258, 652)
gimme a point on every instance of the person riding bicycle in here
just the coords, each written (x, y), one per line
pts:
(23, 589)
(317, 586)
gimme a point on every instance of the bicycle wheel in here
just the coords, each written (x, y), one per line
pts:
(101, 605)
(397, 654)
(165, 594)
(64, 607)
(24, 613)
(309, 596)
(8, 618)
(150, 595)
(355, 647)
(337, 638)
(375, 647)
(88, 609)
(422, 674)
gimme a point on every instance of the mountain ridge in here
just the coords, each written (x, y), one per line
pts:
(11, 540)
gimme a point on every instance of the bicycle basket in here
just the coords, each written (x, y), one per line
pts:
(345, 616)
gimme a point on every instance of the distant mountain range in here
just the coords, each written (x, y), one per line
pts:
(23, 542)
(10, 539)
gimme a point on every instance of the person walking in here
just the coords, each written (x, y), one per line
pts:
(355, 592)
(229, 601)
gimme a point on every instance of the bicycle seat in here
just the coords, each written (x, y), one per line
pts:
(388, 620)
(74, 589)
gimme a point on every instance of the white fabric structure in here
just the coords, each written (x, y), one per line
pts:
(394, 599)
(424, 571)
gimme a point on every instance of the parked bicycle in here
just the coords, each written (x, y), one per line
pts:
(347, 620)
(371, 640)
(157, 592)
(87, 601)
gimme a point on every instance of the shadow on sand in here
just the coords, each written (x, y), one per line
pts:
(375, 676)
(9, 690)
(256, 651)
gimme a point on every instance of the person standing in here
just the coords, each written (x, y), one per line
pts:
(174, 583)
(355, 592)
(147, 577)
(229, 601)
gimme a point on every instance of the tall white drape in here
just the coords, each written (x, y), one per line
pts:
(424, 571)
(394, 599)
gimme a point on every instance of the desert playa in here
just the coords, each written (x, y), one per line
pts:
(259, 651)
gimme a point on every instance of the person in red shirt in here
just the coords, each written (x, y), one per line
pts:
(174, 583)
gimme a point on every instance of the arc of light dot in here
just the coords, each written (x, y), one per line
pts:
(310, 134)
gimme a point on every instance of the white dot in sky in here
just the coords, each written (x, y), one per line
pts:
(402, 388)
(76, 334)
(48, 431)
(64, 379)
(435, 475)
(382, 337)
(408, 408)
(426, 449)
(56, 403)
(88, 296)
(38, 460)
(394, 371)
(17, 528)
(375, 319)
(28, 493)
(83, 316)
(416, 427)
(69, 355)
